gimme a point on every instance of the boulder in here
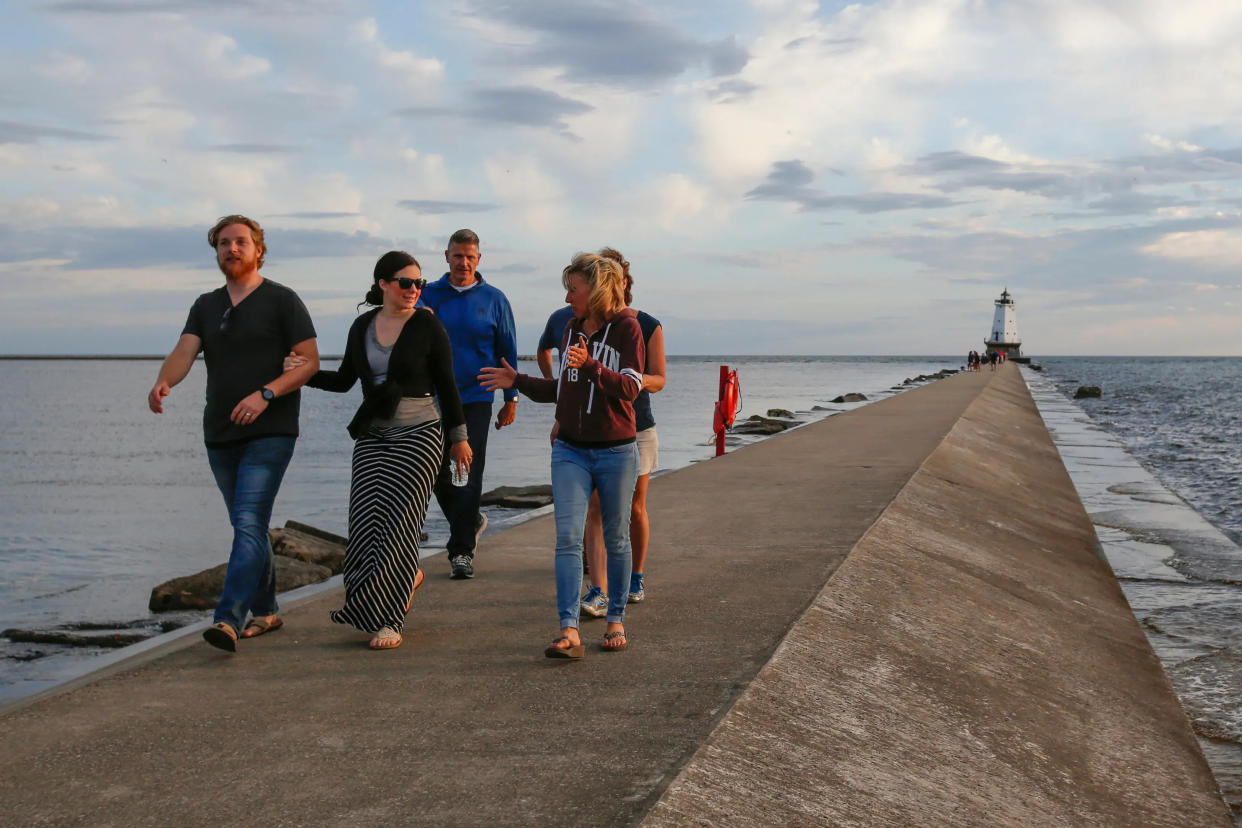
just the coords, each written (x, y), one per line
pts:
(780, 412)
(851, 398)
(295, 542)
(1086, 391)
(75, 639)
(518, 497)
(760, 425)
(201, 590)
(1035, 366)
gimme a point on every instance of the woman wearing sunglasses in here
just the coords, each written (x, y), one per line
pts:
(402, 356)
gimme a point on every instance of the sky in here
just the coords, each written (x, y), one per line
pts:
(785, 177)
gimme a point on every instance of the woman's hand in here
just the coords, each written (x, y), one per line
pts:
(578, 354)
(294, 361)
(501, 378)
(462, 457)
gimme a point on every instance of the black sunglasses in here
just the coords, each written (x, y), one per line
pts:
(406, 284)
(224, 320)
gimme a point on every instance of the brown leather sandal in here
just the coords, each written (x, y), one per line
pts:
(571, 650)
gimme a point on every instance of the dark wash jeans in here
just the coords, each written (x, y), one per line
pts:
(460, 504)
(249, 476)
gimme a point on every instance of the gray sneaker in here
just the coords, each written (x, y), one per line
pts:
(463, 567)
(637, 591)
(595, 603)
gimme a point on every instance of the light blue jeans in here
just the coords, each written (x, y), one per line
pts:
(249, 476)
(575, 473)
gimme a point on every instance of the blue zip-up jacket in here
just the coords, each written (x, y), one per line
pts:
(480, 326)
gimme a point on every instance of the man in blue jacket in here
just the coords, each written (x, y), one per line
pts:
(480, 326)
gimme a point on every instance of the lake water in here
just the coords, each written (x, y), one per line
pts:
(102, 500)
(1156, 462)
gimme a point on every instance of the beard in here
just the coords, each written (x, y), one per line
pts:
(235, 268)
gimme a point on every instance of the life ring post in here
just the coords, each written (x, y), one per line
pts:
(728, 403)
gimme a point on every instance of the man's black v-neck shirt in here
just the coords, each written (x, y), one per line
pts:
(247, 354)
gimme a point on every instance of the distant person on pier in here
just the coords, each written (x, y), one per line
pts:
(992, 357)
(402, 355)
(600, 376)
(480, 327)
(250, 421)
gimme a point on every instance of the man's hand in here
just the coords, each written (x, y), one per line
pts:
(249, 409)
(461, 457)
(506, 414)
(155, 400)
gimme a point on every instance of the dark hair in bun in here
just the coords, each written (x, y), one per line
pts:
(388, 266)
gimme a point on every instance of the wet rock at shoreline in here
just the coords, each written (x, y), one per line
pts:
(1087, 392)
(295, 542)
(518, 497)
(67, 638)
(202, 589)
(850, 398)
(780, 412)
(755, 424)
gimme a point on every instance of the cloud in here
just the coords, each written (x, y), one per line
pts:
(317, 215)
(12, 132)
(413, 71)
(520, 105)
(436, 208)
(1214, 249)
(255, 149)
(101, 248)
(791, 180)
(618, 44)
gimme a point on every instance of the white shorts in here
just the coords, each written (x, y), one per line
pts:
(648, 450)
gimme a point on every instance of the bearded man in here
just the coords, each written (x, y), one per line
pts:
(250, 420)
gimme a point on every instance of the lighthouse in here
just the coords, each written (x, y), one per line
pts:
(1004, 334)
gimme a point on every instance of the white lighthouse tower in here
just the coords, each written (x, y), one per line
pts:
(1004, 334)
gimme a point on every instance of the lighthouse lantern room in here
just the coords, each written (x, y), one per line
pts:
(1004, 334)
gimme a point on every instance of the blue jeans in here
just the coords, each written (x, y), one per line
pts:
(249, 475)
(460, 504)
(575, 473)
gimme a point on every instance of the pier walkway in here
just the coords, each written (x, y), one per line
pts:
(972, 662)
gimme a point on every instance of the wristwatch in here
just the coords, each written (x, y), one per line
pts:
(267, 393)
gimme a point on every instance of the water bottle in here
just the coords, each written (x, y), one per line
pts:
(461, 474)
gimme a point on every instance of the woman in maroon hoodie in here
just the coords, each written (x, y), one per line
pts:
(597, 381)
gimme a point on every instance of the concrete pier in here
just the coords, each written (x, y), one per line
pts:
(894, 615)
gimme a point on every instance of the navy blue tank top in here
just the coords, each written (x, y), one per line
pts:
(643, 418)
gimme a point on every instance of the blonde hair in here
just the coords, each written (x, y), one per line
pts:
(606, 278)
(615, 254)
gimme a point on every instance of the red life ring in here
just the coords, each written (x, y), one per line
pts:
(728, 405)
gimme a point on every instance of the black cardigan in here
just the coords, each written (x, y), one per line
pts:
(421, 364)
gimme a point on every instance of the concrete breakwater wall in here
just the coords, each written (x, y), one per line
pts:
(972, 662)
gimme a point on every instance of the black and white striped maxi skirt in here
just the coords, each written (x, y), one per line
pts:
(392, 475)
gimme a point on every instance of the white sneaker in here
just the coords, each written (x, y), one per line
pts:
(595, 603)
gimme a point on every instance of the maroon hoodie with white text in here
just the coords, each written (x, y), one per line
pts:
(595, 402)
